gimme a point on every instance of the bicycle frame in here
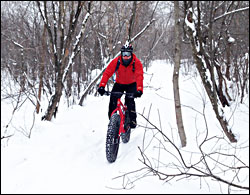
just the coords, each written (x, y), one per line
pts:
(121, 108)
(113, 137)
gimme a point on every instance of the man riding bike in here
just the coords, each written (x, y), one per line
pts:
(129, 78)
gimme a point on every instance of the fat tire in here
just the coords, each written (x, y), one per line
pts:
(126, 136)
(113, 140)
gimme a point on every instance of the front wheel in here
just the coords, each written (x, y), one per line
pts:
(113, 139)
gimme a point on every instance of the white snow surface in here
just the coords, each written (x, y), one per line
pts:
(67, 154)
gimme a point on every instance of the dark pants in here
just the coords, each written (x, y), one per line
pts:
(130, 102)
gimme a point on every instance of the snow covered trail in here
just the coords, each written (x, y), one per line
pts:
(67, 155)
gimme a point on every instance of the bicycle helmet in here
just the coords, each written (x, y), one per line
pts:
(126, 53)
(127, 47)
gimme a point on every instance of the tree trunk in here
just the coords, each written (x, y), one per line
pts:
(41, 72)
(53, 104)
(176, 77)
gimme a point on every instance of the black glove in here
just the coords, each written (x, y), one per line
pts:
(138, 94)
(101, 90)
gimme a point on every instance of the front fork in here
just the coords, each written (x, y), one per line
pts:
(121, 109)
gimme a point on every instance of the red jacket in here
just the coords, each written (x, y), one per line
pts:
(124, 75)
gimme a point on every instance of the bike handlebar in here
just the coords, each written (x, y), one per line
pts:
(129, 95)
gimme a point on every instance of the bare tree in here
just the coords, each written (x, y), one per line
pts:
(62, 58)
(206, 54)
(132, 20)
(176, 77)
(41, 73)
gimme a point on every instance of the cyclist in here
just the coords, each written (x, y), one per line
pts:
(129, 78)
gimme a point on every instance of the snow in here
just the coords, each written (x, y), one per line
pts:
(231, 12)
(18, 44)
(231, 40)
(67, 154)
(191, 25)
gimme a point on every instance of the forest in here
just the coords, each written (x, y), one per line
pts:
(50, 49)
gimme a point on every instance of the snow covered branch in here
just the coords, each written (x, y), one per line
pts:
(231, 12)
(73, 55)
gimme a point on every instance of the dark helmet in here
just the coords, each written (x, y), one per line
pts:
(127, 47)
(126, 50)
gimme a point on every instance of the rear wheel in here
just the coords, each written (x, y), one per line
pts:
(113, 140)
(126, 136)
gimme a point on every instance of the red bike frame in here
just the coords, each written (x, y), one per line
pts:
(121, 108)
